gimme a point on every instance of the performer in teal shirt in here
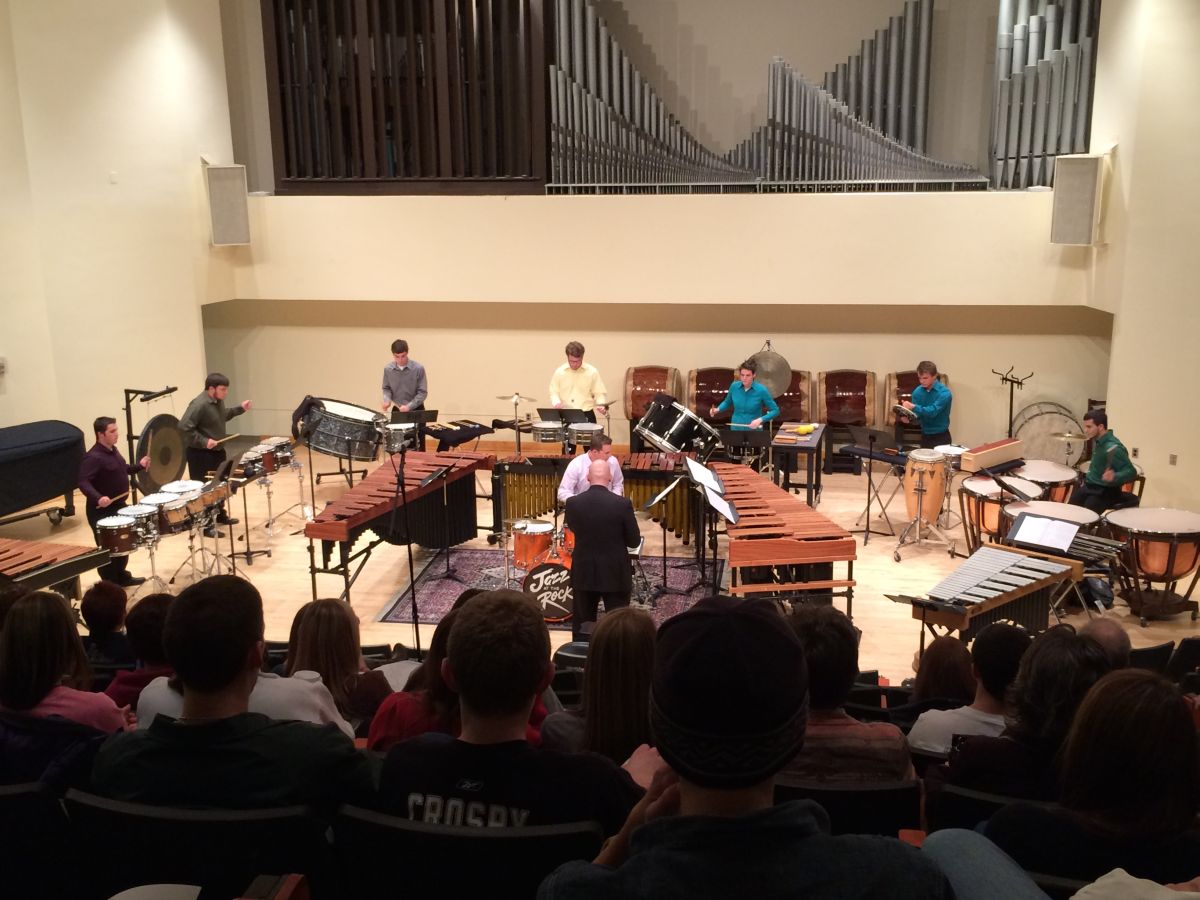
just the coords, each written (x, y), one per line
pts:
(1110, 468)
(930, 405)
(751, 402)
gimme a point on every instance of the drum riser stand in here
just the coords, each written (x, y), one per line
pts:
(212, 562)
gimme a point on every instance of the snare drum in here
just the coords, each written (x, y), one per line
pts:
(117, 535)
(145, 519)
(548, 432)
(927, 468)
(173, 516)
(344, 429)
(532, 542)
(252, 465)
(1057, 479)
(581, 433)
(399, 435)
(983, 499)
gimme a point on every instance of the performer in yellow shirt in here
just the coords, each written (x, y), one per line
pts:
(577, 385)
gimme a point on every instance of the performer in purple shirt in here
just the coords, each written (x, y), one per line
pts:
(104, 481)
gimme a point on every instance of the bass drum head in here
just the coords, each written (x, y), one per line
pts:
(1035, 425)
(162, 441)
(550, 584)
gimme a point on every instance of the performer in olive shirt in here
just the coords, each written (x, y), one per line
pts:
(104, 481)
(203, 426)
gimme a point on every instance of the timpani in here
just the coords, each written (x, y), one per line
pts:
(1057, 480)
(1162, 547)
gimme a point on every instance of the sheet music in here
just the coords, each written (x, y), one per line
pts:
(704, 476)
(1054, 534)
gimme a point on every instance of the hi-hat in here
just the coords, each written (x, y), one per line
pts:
(1068, 436)
(513, 398)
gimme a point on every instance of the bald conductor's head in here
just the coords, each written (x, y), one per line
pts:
(599, 473)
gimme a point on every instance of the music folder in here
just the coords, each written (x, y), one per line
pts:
(723, 506)
(1042, 533)
(704, 476)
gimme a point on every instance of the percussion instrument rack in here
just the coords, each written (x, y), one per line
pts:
(994, 585)
(778, 530)
(370, 502)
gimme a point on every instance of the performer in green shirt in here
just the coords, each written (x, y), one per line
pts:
(1110, 467)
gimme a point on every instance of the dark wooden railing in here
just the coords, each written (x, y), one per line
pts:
(407, 96)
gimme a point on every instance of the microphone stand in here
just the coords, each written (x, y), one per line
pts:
(401, 498)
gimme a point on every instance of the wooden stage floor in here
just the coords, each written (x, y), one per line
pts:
(890, 635)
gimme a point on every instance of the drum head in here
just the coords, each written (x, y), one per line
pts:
(1036, 424)
(1049, 509)
(1045, 471)
(925, 455)
(162, 441)
(550, 584)
(1150, 520)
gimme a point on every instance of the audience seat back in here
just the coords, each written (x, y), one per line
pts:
(127, 844)
(951, 806)
(35, 851)
(882, 808)
(1154, 658)
(381, 855)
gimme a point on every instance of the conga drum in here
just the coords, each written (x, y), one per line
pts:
(1162, 547)
(925, 469)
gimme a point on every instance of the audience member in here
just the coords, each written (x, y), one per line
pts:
(103, 612)
(217, 753)
(615, 716)
(995, 656)
(1055, 674)
(838, 748)
(10, 592)
(945, 672)
(43, 668)
(1130, 789)
(498, 661)
(728, 706)
(144, 627)
(1112, 638)
(327, 642)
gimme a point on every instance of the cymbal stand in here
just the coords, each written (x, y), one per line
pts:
(154, 584)
(306, 510)
(919, 525)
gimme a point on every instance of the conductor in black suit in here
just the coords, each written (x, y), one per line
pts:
(604, 529)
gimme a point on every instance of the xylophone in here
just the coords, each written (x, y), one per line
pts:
(526, 486)
(994, 585)
(370, 503)
(780, 544)
(37, 565)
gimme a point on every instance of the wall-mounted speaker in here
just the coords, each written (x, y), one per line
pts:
(227, 207)
(1078, 188)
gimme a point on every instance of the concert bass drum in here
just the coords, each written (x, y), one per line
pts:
(344, 429)
(550, 584)
(1036, 426)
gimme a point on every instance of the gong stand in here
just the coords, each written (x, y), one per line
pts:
(1014, 384)
(142, 396)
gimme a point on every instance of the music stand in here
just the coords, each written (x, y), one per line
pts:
(709, 488)
(661, 498)
(871, 439)
(421, 417)
(566, 417)
(441, 473)
(746, 439)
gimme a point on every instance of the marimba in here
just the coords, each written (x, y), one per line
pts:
(37, 565)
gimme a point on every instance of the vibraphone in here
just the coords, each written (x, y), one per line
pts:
(782, 545)
(370, 503)
(458, 432)
(526, 487)
(994, 585)
(38, 565)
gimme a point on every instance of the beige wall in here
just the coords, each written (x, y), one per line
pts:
(936, 249)
(1149, 107)
(708, 59)
(25, 334)
(276, 352)
(117, 103)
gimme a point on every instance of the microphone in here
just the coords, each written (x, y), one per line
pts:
(156, 394)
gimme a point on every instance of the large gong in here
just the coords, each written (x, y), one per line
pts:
(162, 441)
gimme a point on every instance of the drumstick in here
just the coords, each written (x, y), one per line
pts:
(228, 437)
(118, 497)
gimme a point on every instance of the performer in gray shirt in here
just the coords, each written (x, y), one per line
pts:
(404, 385)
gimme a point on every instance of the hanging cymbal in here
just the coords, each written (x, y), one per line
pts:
(1068, 436)
(774, 372)
(162, 441)
(511, 397)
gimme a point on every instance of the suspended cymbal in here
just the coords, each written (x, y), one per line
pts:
(162, 441)
(511, 397)
(1068, 436)
(774, 372)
